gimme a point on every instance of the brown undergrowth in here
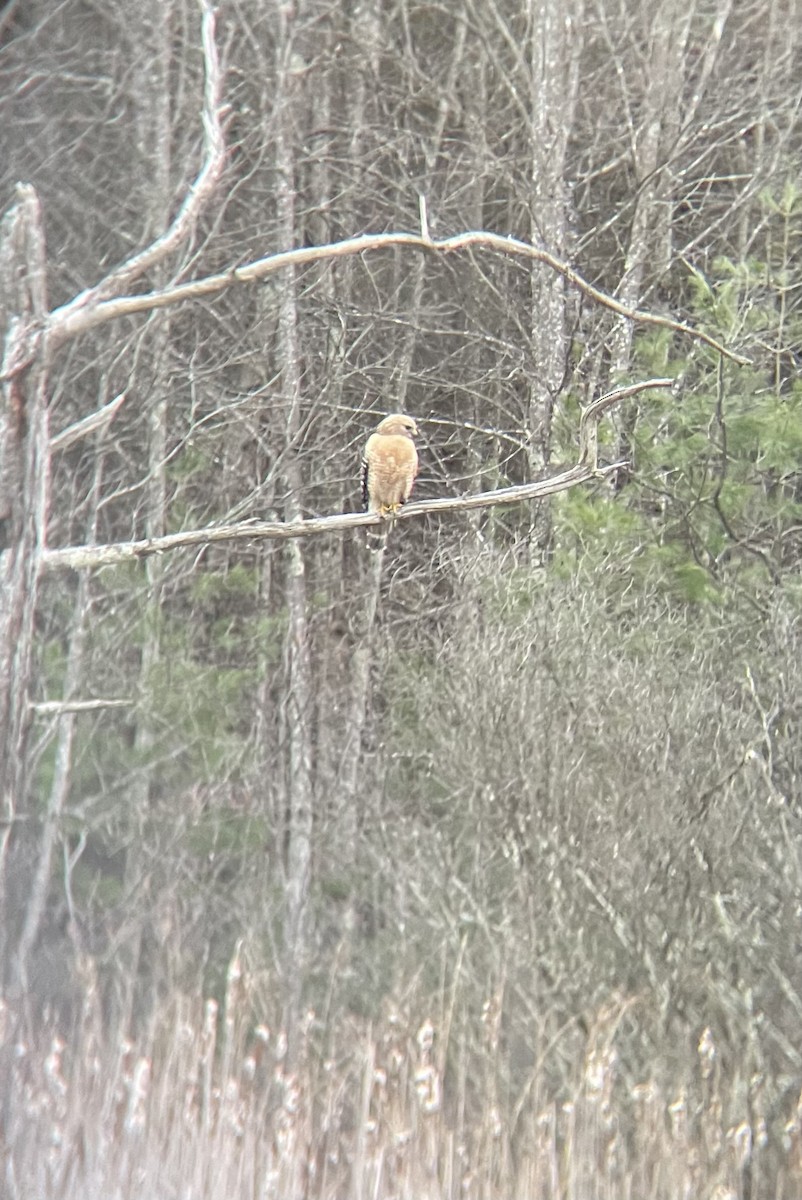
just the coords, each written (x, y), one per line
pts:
(205, 1104)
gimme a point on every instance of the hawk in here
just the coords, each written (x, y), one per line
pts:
(389, 465)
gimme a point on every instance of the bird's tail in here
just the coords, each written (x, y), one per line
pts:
(376, 537)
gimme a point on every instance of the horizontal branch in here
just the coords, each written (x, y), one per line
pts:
(58, 707)
(83, 557)
(585, 469)
(68, 322)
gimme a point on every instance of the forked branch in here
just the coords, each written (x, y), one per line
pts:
(82, 311)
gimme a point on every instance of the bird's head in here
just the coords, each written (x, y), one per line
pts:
(398, 424)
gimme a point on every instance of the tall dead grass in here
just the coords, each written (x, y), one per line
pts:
(204, 1104)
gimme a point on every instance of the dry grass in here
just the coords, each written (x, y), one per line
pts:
(205, 1105)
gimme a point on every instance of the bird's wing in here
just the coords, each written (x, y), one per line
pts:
(363, 474)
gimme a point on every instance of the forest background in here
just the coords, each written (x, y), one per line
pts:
(469, 868)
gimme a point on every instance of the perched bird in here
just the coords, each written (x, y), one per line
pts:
(389, 465)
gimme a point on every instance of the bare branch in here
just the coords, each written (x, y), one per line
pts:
(82, 557)
(101, 418)
(80, 312)
(586, 468)
(424, 218)
(70, 321)
(57, 707)
(589, 420)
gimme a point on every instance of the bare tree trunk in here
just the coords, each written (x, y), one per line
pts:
(332, 215)
(650, 231)
(153, 138)
(24, 474)
(481, 465)
(299, 700)
(554, 42)
(37, 890)
(650, 244)
(432, 148)
(652, 186)
(360, 635)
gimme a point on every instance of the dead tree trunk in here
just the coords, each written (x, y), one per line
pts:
(24, 468)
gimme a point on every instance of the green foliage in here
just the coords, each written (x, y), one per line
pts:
(197, 699)
(210, 587)
(207, 704)
(716, 492)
